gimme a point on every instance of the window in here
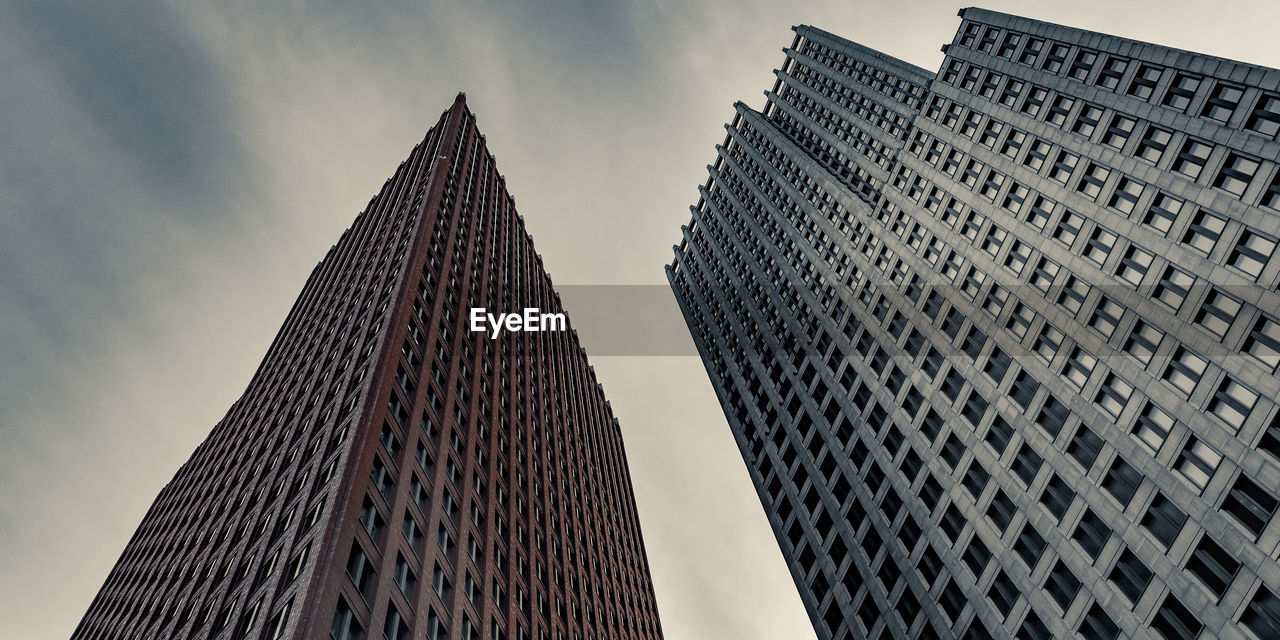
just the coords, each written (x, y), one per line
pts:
(1192, 159)
(1112, 72)
(1181, 92)
(1059, 110)
(1252, 252)
(1265, 119)
(1232, 403)
(1035, 101)
(1153, 426)
(1173, 287)
(1053, 416)
(1125, 197)
(1250, 504)
(345, 625)
(1164, 520)
(360, 570)
(1163, 212)
(1068, 228)
(1262, 616)
(1030, 546)
(395, 628)
(1001, 511)
(1143, 341)
(1144, 82)
(1130, 576)
(1097, 626)
(1118, 131)
(1042, 277)
(1106, 316)
(1087, 120)
(1133, 267)
(1003, 594)
(1048, 342)
(1113, 396)
(1213, 565)
(1073, 294)
(1083, 65)
(1204, 231)
(1085, 447)
(1236, 174)
(1031, 52)
(1018, 256)
(1078, 367)
(1271, 198)
(1222, 102)
(1057, 497)
(1020, 320)
(1198, 462)
(1016, 197)
(1038, 214)
(1185, 370)
(1263, 342)
(1099, 246)
(1154, 143)
(1056, 58)
(1091, 534)
(1023, 391)
(1063, 166)
(1037, 153)
(1218, 312)
(1062, 585)
(1010, 94)
(1026, 464)
(1122, 481)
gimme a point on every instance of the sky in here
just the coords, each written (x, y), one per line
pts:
(171, 172)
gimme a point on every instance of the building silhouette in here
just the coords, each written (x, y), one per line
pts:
(998, 344)
(388, 473)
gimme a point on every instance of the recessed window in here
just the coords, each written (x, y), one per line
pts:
(1122, 481)
(1143, 341)
(1153, 426)
(1198, 462)
(1192, 159)
(1062, 585)
(1119, 131)
(1073, 294)
(1213, 565)
(1163, 212)
(1185, 370)
(1099, 246)
(1112, 72)
(1059, 110)
(1091, 534)
(1113, 396)
(1250, 504)
(1087, 120)
(1056, 58)
(1068, 228)
(1057, 497)
(1252, 253)
(1144, 82)
(1263, 342)
(1063, 166)
(1130, 576)
(1125, 198)
(1031, 52)
(1218, 312)
(1097, 625)
(1083, 64)
(1236, 174)
(1173, 287)
(1222, 102)
(1232, 403)
(1154, 143)
(1262, 616)
(1133, 267)
(1106, 317)
(1164, 520)
(1181, 92)
(1265, 119)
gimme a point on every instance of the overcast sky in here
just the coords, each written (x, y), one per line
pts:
(170, 173)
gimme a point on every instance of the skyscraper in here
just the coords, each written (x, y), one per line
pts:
(391, 473)
(998, 344)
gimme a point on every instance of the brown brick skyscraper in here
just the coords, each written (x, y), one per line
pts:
(390, 473)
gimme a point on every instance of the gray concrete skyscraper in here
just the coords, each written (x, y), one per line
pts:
(999, 343)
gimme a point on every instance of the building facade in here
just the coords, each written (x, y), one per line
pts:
(999, 343)
(389, 473)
